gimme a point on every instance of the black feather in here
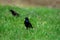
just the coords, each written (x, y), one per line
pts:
(27, 23)
(14, 13)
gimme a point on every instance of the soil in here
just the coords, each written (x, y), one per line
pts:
(23, 3)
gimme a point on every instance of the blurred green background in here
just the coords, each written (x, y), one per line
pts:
(45, 21)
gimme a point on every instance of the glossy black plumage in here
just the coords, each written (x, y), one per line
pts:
(14, 13)
(27, 23)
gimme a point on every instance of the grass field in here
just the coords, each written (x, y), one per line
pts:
(46, 23)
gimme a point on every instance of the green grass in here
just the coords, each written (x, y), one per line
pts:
(46, 23)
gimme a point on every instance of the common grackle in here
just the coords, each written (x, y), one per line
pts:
(14, 13)
(27, 23)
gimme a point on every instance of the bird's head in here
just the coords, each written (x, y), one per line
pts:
(26, 18)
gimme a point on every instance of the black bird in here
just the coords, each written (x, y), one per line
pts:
(27, 23)
(14, 13)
